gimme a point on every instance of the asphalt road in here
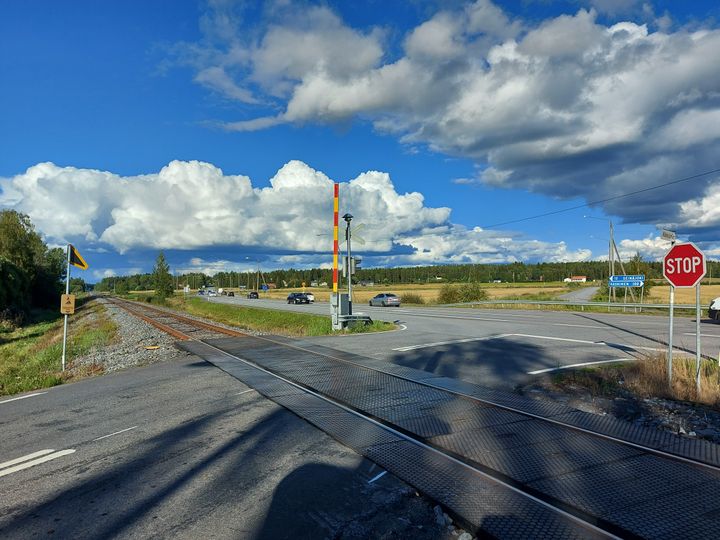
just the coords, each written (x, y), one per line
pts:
(506, 347)
(183, 450)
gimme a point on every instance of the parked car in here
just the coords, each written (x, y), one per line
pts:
(310, 296)
(298, 298)
(714, 310)
(230, 293)
(385, 299)
(253, 295)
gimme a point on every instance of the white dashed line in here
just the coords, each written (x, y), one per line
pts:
(539, 371)
(116, 433)
(22, 397)
(24, 464)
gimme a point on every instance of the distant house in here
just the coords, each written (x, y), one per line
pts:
(575, 279)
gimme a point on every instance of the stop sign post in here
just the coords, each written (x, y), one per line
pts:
(684, 266)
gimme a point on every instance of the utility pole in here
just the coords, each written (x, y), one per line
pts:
(348, 219)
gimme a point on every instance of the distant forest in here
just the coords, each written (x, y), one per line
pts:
(507, 273)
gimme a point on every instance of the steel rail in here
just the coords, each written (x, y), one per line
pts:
(648, 449)
(581, 518)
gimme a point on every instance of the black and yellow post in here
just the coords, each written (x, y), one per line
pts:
(67, 300)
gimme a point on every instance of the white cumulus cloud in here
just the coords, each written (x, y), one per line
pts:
(194, 205)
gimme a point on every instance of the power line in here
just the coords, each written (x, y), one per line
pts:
(600, 201)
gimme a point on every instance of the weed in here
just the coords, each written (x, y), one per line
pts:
(30, 356)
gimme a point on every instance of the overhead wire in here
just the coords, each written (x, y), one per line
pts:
(600, 201)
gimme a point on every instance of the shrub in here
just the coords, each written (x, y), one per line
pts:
(472, 292)
(448, 295)
(411, 298)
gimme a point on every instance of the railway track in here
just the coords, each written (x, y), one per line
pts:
(584, 475)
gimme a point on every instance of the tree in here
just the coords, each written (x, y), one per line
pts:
(162, 280)
(31, 273)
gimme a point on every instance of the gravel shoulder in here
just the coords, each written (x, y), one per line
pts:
(137, 344)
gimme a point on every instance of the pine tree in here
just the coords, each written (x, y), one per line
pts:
(162, 280)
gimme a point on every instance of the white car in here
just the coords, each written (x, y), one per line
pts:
(714, 310)
(310, 296)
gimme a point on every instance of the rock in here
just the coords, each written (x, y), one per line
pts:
(465, 536)
(441, 518)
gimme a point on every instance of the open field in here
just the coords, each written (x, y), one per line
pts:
(661, 294)
(428, 292)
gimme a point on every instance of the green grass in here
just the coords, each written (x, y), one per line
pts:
(269, 320)
(30, 356)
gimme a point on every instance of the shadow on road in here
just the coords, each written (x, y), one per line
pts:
(496, 362)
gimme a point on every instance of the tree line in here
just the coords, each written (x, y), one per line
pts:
(31, 273)
(461, 273)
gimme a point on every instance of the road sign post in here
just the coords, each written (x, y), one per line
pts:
(684, 266)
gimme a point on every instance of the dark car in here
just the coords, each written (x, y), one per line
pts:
(253, 295)
(385, 299)
(231, 293)
(714, 310)
(298, 298)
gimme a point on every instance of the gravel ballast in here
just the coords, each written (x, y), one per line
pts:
(134, 345)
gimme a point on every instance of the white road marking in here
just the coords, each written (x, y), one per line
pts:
(116, 433)
(245, 392)
(377, 477)
(438, 343)
(539, 371)
(579, 325)
(439, 316)
(26, 458)
(557, 339)
(22, 397)
(28, 464)
(701, 335)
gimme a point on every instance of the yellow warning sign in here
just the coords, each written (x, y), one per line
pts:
(67, 304)
(76, 259)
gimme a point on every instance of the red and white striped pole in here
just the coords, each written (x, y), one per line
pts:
(336, 206)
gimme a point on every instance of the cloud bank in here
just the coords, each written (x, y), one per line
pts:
(568, 107)
(191, 205)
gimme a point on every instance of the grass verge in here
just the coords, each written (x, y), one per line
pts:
(647, 378)
(268, 320)
(30, 356)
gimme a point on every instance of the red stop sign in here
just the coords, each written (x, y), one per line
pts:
(684, 265)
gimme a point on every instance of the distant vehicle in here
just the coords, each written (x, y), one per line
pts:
(385, 299)
(714, 310)
(230, 293)
(212, 293)
(298, 298)
(253, 295)
(310, 296)
(201, 293)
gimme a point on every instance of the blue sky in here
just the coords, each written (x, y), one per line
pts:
(439, 120)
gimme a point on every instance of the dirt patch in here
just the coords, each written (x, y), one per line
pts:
(606, 392)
